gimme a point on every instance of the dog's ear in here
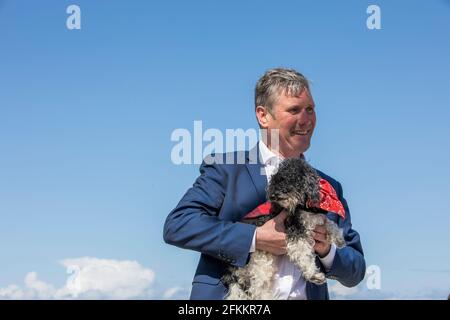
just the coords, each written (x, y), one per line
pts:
(311, 182)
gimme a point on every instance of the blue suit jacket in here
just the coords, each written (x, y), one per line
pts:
(207, 220)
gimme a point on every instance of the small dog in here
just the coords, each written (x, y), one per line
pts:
(297, 188)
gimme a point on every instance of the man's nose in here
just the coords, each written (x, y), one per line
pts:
(303, 118)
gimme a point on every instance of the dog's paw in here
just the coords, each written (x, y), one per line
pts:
(318, 278)
(340, 242)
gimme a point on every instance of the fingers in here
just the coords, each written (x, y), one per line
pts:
(279, 221)
(321, 237)
(280, 250)
(322, 249)
(320, 229)
(271, 237)
(281, 216)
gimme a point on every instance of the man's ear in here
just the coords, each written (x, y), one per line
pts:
(262, 115)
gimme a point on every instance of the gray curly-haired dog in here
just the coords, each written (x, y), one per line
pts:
(294, 187)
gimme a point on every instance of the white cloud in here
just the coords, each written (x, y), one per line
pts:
(34, 289)
(101, 278)
(90, 278)
(339, 290)
(94, 278)
(38, 288)
(11, 292)
(361, 292)
(176, 293)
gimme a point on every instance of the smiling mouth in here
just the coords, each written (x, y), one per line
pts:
(301, 133)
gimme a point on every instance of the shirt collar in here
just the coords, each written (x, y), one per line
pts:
(268, 155)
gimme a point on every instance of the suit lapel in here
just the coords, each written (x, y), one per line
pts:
(257, 173)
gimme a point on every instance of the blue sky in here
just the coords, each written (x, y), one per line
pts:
(86, 118)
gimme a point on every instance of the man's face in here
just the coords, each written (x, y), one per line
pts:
(295, 117)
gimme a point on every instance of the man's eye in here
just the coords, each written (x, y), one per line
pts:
(293, 111)
(310, 110)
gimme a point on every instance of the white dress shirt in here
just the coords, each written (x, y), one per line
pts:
(288, 282)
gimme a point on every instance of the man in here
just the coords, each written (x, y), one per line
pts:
(207, 219)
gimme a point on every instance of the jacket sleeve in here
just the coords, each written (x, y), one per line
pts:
(349, 266)
(195, 223)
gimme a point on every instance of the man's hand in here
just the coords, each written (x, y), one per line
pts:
(322, 246)
(271, 236)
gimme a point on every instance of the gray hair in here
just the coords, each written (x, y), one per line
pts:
(276, 81)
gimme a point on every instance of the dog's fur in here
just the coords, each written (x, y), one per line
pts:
(289, 189)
